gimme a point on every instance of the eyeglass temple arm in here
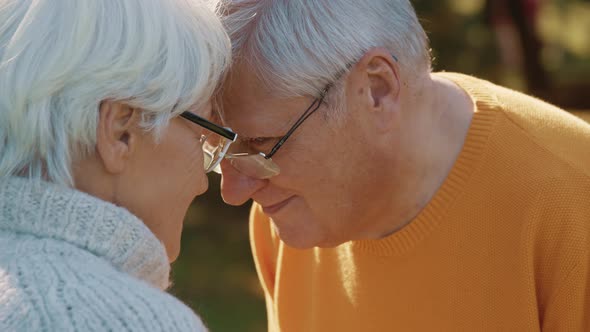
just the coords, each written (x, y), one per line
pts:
(309, 111)
(312, 108)
(210, 125)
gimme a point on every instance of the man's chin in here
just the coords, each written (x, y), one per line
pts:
(294, 238)
(300, 240)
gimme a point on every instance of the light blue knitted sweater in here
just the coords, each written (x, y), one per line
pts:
(72, 262)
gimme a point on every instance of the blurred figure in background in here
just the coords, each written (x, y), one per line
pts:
(514, 23)
(103, 110)
(388, 197)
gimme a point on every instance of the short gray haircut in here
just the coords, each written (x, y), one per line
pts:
(59, 59)
(299, 47)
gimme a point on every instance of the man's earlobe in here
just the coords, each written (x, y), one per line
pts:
(115, 135)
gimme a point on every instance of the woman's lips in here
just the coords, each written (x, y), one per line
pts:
(275, 208)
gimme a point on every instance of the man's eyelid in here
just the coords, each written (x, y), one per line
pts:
(261, 140)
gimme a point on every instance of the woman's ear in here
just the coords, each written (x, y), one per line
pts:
(116, 135)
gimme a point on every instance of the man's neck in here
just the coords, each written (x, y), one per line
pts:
(434, 131)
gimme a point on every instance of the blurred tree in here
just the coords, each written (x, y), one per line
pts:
(540, 47)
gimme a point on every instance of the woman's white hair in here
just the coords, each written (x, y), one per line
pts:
(59, 59)
(299, 47)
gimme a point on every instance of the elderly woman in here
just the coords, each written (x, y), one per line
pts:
(103, 138)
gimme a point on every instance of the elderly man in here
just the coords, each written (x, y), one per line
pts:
(389, 198)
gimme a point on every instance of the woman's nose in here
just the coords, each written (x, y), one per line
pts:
(237, 188)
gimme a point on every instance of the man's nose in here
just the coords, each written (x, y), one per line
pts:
(237, 188)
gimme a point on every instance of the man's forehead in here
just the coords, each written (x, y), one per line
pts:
(241, 102)
(251, 120)
(242, 83)
(268, 117)
(251, 107)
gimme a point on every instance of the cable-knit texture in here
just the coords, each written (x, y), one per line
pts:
(72, 262)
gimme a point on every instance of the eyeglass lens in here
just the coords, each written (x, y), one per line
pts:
(254, 165)
(214, 148)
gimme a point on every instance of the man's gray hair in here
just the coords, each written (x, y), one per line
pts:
(59, 59)
(299, 47)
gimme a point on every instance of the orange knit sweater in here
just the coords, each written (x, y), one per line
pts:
(503, 245)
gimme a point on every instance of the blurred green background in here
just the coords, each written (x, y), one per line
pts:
(541, 47)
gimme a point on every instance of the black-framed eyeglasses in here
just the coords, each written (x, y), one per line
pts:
(214, 146)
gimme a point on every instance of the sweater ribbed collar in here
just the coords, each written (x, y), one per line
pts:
(47, 210)
(483, 122)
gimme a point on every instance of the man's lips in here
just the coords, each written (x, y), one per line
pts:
(274, 208)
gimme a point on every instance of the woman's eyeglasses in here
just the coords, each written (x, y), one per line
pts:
(215, 144)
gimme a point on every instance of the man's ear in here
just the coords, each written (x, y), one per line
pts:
(377, 80)
(116, 135)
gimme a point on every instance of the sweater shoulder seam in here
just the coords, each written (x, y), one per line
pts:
(534, 140)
